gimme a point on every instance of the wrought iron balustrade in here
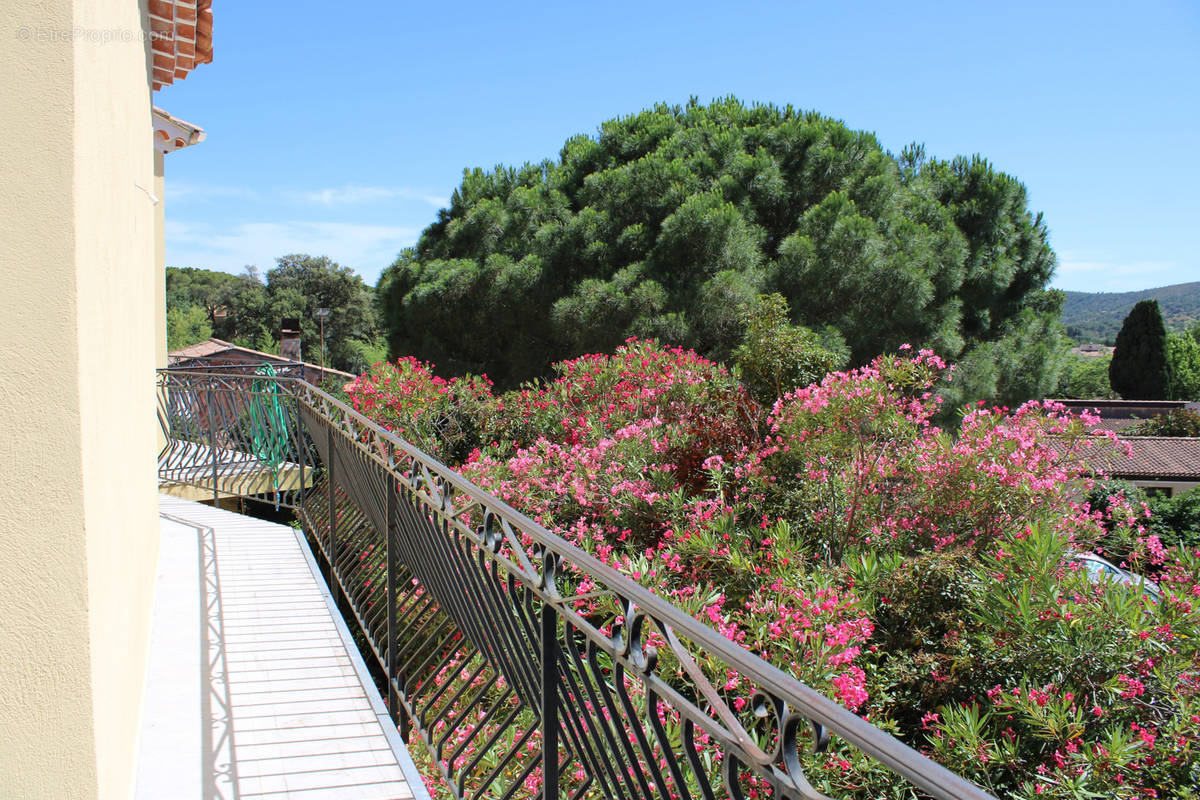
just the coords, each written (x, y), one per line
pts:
(232, 432)
(527, 666)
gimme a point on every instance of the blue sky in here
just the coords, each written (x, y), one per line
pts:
(341, 129)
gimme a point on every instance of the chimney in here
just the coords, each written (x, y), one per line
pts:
(289, 339)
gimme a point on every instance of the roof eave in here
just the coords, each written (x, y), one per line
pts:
(172, 133)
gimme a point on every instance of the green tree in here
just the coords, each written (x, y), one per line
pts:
(243, 312)
(1183, 359)
(189, 286)
(300, 284)
(1086, 378)
(186, 326)
(670, 221)
(250, 311)
(777, 357)
(1176, 519)
(1139, 368)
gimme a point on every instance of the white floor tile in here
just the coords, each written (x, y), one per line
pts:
(299, 722)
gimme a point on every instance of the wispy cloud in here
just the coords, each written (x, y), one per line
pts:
(181, 191)
(351, 195)
(184, 192)
(365, 248)
(1089, 272)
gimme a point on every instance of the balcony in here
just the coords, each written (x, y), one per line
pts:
(255, 687)
(519, 665)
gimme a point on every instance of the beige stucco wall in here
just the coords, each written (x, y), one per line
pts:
(160, 265)
(1176, 487)
(78, 520)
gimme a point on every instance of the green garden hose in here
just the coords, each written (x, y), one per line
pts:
(268, 423)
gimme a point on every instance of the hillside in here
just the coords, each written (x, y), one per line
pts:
(1097, 316)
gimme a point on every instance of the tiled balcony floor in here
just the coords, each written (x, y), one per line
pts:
(254, 688)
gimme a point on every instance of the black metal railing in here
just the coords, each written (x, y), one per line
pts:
(527, 666)
(232, 432)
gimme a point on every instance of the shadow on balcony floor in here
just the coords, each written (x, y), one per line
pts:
(255, 689)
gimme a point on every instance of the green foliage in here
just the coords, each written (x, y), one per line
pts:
(1183, 358)
(1176, 422)
(1181, 515)
(670, 221)
(1097, 316)
(188, 286)
(920, 606)
(300, 284)
(1086, 378)
(1093, 682)
(1026, 361)
(1139, 369)
(446, 419)
(187, 325)
(244, 316)
(1174, 520)
(777, 357)
(248, 312)
(923, 579)
(367, 353)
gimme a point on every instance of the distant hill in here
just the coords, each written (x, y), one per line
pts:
(1097, 316)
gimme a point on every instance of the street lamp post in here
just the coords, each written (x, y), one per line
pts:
(322, 314)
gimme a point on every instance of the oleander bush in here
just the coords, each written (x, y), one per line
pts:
(921, 576)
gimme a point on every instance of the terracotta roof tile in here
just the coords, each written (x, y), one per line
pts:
(182, 38)
(1125, 409)
(172, 133)
(221, 350)
(162, 8)
(1153, 457)
(199, 350)
(1117, 425)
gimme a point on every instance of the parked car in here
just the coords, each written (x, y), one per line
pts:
(1099, 569)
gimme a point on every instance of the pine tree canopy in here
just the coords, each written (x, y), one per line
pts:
(669, 222)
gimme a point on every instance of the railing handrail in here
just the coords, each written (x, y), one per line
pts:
(915, 767)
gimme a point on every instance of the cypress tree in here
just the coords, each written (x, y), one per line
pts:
(1139, 369)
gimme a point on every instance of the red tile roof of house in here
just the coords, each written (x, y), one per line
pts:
(1127, 410)
(1160, 457)
(181, 38)
(208, 348)
(219, 349)
(1116, 425)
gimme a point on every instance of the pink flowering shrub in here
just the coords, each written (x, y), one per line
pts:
(920, 576)
(1094, 685)
(699, 409)
(859, 460)
(442, 417)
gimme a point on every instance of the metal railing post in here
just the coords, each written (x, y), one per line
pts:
(212, 446)
(395, 707)
(330, 542)
(549, 702)
(301, 456)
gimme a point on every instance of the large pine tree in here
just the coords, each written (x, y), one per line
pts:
(670, 222)
(1139, 368)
